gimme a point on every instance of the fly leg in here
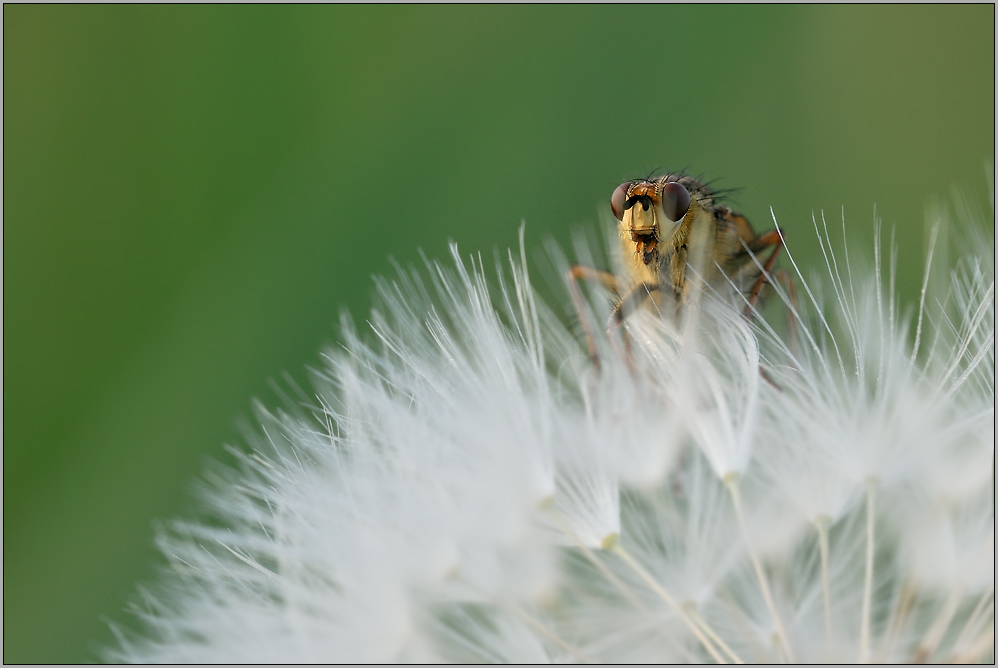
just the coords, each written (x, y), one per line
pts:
(630, 303)
(627, 305)
(790, 300)
(791, 287)
(772, 238)
(576, 273)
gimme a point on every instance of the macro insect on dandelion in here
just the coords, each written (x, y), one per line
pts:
(675, 236)
(485, 477)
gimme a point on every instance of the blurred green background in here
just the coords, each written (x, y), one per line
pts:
(192, 193)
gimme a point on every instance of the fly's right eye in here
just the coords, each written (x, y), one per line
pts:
(618, 198)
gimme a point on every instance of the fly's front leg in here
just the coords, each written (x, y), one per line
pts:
(630, 302)
(609, 281)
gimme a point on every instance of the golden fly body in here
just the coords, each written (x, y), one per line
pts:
(676, 237)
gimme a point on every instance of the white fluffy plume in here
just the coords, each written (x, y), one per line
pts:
(464, 485)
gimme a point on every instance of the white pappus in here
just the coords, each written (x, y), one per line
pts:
(464, 485)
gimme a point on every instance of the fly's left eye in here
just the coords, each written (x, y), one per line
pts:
(618, 198)
(675, 201)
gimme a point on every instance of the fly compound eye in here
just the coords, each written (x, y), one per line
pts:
(618, 198)
(675, 201)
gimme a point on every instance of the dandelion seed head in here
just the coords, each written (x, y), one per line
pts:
(466, 485)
